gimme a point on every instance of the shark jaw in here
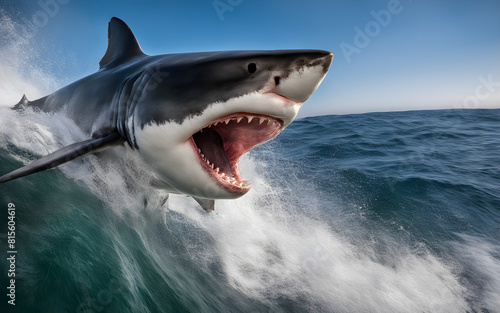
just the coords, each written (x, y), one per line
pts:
(182, 154)
(220, 145)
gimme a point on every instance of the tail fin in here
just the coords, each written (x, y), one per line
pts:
(23, 102)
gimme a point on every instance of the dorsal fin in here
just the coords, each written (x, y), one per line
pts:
(122, 44)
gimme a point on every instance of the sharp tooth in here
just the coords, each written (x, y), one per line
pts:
(209, 125)
(250, 118)
(238, 119)
(201, 131)
(208, 162)
(212, 166)
(215, 124)
(227, 121)
(261, 120)
(241, 184)
(199, 150)
(222, 175)
(217, 170)
(202, 155)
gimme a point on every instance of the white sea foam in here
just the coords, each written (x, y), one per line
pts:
(483, 258)
(269, 253)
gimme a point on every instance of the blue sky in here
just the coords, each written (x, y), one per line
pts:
(408, 55)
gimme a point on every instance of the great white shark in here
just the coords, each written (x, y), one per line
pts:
(190, 116)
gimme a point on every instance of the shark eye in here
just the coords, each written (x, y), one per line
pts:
(252, 67)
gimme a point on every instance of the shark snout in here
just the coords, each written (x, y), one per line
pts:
(304, 76)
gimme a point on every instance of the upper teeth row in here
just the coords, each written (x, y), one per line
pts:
(222, 175)
(238, 119)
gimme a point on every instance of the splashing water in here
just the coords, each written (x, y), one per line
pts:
(19, 73)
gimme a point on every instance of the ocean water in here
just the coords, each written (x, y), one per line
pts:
(379, 212)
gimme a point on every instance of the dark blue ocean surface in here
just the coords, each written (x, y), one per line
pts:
(379, 212)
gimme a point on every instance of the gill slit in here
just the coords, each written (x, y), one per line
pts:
(129, 94)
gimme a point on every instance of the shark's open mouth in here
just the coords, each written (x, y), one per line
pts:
(220, 144)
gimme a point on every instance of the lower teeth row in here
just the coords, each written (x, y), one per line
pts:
(221, 174)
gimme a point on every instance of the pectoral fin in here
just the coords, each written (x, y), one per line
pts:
(66, 154)
(207, 204)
